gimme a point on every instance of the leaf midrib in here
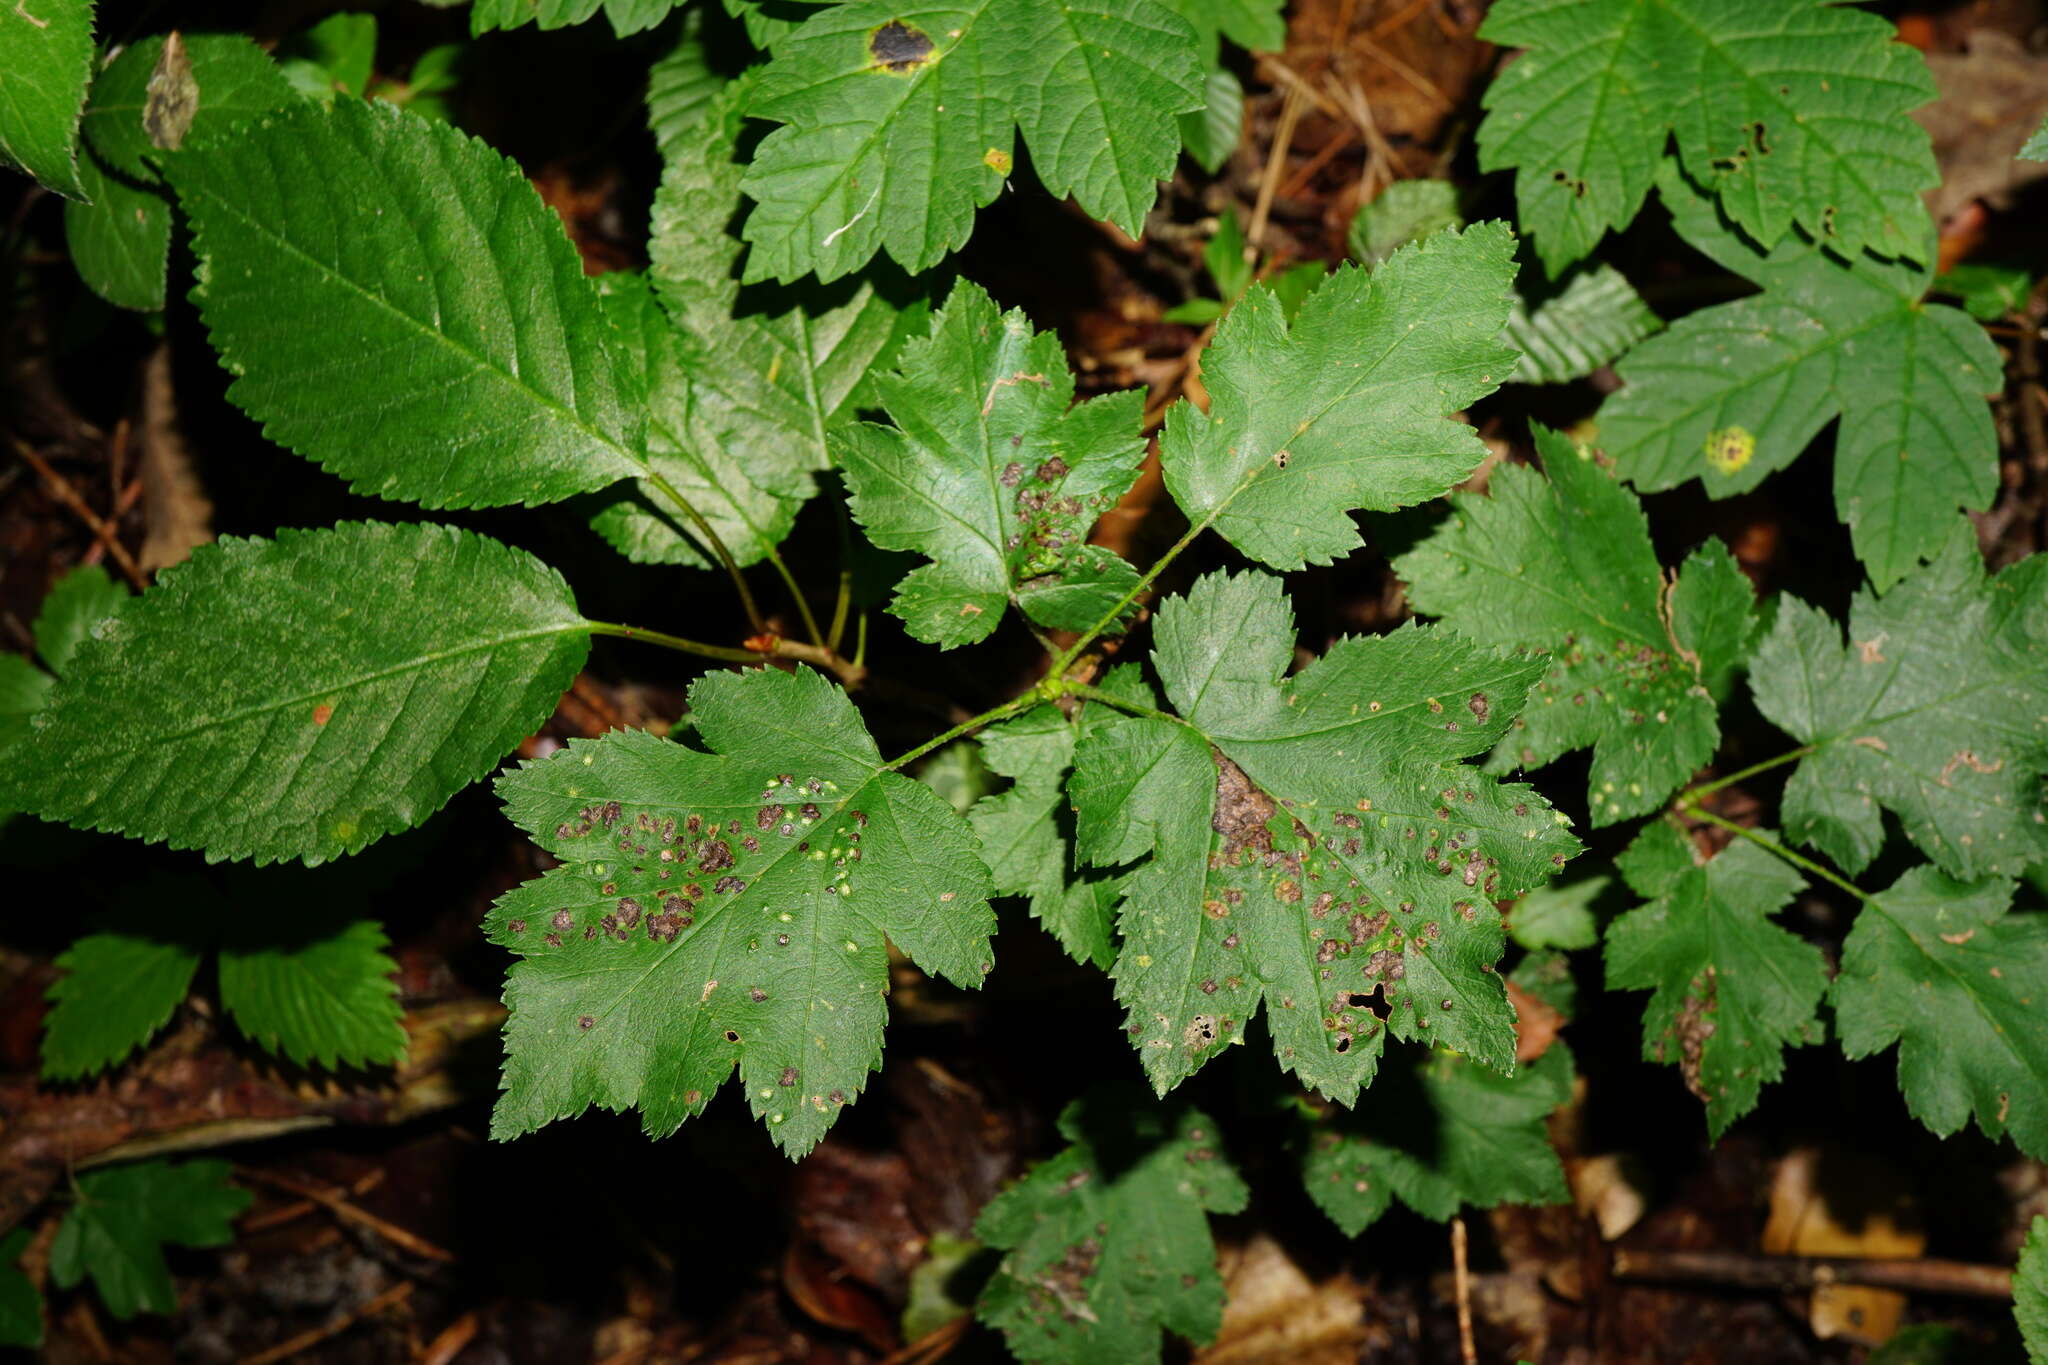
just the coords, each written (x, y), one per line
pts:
(415, 664)
(384, 306)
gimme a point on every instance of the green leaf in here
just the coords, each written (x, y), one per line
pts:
(867, 162)
(235, 82)
(743, 389)
(1027, 832)
(1314, 842)
(2030, 1279)
(24, 690)
(768, 22)
(995, 473)
(1225, 258)
(1108, 1243)
(725, 907)
(1789, 111)
(1405, 211)
(119, 236)
(1559, 915)
(681, 89)
(21, 1306)
(1256, 24)
(684, 448)
(76, 605)
(627, 16)
(2037, 145)
(1565, 329)
(1564, 567)
(1732, 989)
(1441, 1134)
(304, 696)
(124, 1218)
(1210, 134)
(120, 240)
(322, 993)
(45, 64)
(1546, 974)
(119, 987)
(1196, 312)
(1930, 1344)
(1346, 408)
(1939, 967)
(1931, 710)
(1731, 393)
(1586, 319)
(1988, 292)
(459, 355)
(336, 55)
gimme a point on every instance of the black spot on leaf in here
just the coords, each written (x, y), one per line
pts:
(898, 48)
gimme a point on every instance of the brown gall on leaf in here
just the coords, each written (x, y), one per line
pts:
(899, 49)
(1694, 1026)
(172, 98)
(1242, 811)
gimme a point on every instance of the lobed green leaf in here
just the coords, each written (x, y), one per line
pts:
(1439, 1135)
(1563, 566)
(1791, 112)
(1734, 392)
(994, 472)
(1108, 1243)
(1940, 967)
(1344, 409)
(726, 908)
(1936, 708)
(1731, 989)
(124, 1218)
(2030, 1278)
(898, 122)
(1315, 844)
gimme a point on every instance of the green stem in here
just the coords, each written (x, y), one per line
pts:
(715, 545)
(1065, 661)
(1770, 845)
(1088, 693)
(676, 642)
(803, 608)
(1691, 795)
(844, 601)
(839, 609)
(1008, 708)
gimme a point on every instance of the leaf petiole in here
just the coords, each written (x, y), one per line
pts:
(1772, 846)
(1691, 795)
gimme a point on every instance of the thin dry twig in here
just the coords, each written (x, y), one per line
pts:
(1746, 1271)
(103, 531)
(1462, 1274)
(934, 1345)
(1422, 84)
(451, 1341)
(1276, 162)
(337, 1204)
(334, 1326)
(292, 1212)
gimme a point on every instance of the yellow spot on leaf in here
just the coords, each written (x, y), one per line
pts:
(997, 160)
(1729, 449)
